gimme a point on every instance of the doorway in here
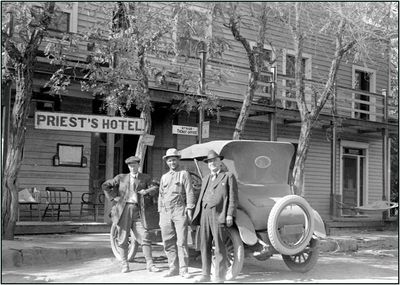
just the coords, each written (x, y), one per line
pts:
(353, 179)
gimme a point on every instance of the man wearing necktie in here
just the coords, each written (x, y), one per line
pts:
(124, 191)
(175, 204)
(214, 211)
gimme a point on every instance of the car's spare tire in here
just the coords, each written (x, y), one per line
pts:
(290, 225)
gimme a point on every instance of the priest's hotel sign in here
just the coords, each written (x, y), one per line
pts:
(88, 123)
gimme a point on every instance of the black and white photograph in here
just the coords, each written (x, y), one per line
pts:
(199, 142)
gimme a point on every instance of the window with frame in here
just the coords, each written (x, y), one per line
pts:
(60, 22)
(265, 76)
(65, 18)
(362, 81)
(192, 27)
(289, 69)
(290, 65)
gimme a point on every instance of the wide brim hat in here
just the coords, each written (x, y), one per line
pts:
(172, 152)
(132, 159)
(212, 154)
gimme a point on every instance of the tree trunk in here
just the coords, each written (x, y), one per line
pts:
(254, 64)
(146, 108)
(141, 147)
(24, 74)
(245, 109)
(301, 156)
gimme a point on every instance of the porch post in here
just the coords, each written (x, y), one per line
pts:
(272, 115)
(385, 168)
(202, 88)
(109, 165)
(333, 205)
(385, 133)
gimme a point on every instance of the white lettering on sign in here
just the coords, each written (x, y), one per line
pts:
(184, 130)
(88, 123)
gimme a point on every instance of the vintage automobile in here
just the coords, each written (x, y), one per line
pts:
(270, 219)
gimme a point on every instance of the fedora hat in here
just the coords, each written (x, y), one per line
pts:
(171, 152)
(132, 159)
(212, 154)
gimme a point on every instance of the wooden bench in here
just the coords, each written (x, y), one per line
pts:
(58, 199)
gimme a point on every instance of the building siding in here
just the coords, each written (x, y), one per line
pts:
(37, 170)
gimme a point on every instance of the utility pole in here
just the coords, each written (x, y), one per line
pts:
(385, 130)
(110, 153)
(272, 115)
(202, 88)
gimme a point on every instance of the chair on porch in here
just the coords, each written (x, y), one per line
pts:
(92, 203)
(29, 197)
(58, 199)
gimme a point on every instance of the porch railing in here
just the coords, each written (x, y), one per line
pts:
(348, 102)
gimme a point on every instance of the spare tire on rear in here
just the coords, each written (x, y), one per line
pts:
(276, 230)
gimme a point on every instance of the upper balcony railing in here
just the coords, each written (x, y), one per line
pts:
(347, 102)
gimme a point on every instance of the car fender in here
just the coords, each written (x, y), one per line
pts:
(246, 228)
(319, 227)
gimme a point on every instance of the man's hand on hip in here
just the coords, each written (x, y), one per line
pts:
(115, 200)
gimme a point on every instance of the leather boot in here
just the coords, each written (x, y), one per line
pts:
(149, 258)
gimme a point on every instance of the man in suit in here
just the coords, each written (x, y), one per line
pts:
(214, 211)
(175, 204)
(124, 191)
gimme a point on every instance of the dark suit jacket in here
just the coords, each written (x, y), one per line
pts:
(225, 199)
(119, 186)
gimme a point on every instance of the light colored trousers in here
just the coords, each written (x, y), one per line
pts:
(130, 219)
(174, 230)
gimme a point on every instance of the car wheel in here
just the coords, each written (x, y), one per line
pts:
(235, 253)
(132, 248)
(305, 260)
(290, 244)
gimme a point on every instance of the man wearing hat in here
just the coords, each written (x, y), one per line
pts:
(124, 191)
(214, 211)
(175, 204)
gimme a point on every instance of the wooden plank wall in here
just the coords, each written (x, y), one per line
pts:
(235, 60)
(37, 168)
(320, 48)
